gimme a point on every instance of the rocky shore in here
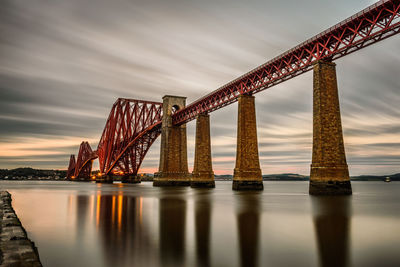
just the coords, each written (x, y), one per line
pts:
(16, 249)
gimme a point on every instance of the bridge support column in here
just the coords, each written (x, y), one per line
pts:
(130, 179)
(247, 173)
(202, 175)
(329, 171)
(105, 179)
(173, 170)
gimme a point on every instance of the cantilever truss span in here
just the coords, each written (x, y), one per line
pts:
(84, 162)
(71, 167)
(132, 127)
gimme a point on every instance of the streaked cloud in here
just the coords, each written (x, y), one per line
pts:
(63, 64)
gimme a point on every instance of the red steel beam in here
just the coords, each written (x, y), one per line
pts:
(141, 144)
(71, 167)
(131, 128)
(369, 26)
(84, 161)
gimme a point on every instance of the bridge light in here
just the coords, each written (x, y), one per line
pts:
(99, 174)
(72, 177)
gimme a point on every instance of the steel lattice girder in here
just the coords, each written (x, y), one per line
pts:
(371, 25)
(131, 128)
(84, 161)
(71, 167)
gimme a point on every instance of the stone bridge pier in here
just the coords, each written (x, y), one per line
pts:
(202, 175)
(329, 172)
(173, 169)
(247, 172)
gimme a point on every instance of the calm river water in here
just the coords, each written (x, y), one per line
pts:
(88, 224)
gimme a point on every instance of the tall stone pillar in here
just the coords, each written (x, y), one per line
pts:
(202, 175)
(173, 169)
(247, 173)
(329, 171)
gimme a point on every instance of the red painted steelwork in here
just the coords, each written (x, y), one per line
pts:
(371, 25)
(83, 167)
(132, 127)
(71, 168)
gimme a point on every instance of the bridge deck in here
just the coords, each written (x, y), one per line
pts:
(373, 24)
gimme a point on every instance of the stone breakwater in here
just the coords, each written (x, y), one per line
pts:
(15, 247)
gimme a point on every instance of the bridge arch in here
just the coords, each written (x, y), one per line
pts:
(84, 162)
(134, 124)
(131, 128)
(175, 108)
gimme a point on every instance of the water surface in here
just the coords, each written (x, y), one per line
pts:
(88, 224)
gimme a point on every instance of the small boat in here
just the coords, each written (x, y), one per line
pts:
(387, 179)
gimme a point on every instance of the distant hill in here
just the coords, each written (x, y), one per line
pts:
(223, 177)
(393, 177)
(30, 173)
(299, 177)
(270, 177)
(285, 177)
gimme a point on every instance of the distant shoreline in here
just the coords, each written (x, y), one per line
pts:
(30, 174)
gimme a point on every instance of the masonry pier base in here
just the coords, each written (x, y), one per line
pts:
(106, 179)
(202, 175)
(247, 185)
(330, 188)
(247, 173)
(130, 179)
(173, 169)
(329, 172)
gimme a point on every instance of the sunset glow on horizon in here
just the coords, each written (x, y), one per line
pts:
(63, 68)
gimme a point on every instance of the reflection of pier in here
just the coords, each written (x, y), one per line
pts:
(124, 232)
(332, 228)
(248, 219)
(202, 226)
(172, 230)
(154, 233)
(82, 210)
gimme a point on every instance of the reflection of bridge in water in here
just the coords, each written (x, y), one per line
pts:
(133, 125)
(332, 227)
(144, 231)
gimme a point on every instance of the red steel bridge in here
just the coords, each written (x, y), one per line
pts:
(133, 125)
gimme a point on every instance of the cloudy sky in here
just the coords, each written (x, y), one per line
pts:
(64, 63)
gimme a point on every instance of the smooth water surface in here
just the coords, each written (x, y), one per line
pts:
(88, 224)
